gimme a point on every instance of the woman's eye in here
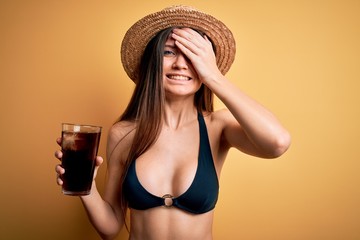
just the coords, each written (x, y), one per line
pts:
(168, 53)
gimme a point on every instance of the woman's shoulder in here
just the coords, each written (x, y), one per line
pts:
(217, 117)
(120, 130)
(120, 136)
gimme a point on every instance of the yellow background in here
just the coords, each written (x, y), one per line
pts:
(60, 62)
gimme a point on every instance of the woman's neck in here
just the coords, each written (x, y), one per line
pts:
(179, 113)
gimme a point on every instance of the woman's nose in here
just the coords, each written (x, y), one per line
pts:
(181, 61)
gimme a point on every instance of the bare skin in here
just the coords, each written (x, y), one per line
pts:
(189, 62)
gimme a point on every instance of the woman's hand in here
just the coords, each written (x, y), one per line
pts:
(199, 51)
(60, 170)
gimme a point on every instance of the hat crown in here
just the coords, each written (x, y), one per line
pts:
(179, 7)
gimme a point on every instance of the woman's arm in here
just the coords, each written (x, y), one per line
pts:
(102, 214)
(105, 214)
(250, 127)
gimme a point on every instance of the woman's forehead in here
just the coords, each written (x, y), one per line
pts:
(170, 42)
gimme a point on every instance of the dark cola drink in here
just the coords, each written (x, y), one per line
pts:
(79, 147)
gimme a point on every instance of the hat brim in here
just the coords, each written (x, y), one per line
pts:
(139, 35)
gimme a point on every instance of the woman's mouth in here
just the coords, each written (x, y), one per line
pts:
(178, 77)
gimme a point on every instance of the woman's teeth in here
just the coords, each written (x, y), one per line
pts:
(178, 77)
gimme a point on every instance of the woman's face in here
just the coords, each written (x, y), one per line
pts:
(179, 75)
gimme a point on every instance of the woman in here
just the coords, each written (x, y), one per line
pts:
(166, 152)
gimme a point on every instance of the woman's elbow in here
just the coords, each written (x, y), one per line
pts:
(280, 145)
(110, 233)
(108, 236)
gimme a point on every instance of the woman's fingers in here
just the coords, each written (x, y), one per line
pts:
(198, 49)
(60, 171)
(58, 140)
(189, 37)
(58, 154)
(98, 161)
(192, 40)
(59, 181)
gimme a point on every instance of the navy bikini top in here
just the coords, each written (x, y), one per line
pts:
(200, 197)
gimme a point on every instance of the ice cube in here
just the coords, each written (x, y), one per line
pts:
(68, 141)
(76, 128)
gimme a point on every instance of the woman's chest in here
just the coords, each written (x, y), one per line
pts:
(169, 166)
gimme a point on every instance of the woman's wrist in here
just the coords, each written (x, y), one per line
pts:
(92, 190)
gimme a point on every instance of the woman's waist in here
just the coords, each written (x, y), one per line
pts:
(162, 223)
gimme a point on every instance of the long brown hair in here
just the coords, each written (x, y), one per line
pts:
(146, 106)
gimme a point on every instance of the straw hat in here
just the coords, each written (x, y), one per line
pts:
(139, 35)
